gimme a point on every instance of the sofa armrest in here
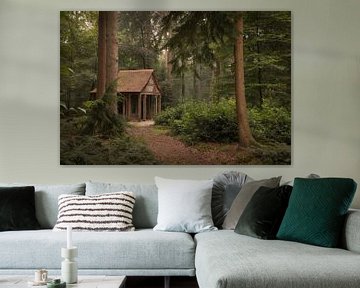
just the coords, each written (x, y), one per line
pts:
(351, 234)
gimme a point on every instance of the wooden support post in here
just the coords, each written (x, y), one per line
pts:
(128, 112)
(159, 104)
(144, 107)
(150, 111)
(156, 105)
(124, 107)
(139, 107)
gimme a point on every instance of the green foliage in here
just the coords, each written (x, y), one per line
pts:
(279, 154)
(268, 57)
(171, 114)
(91, 150)
(194, 33)
(270, 123)
(216, 122)
(202, 121)
(265, 154)
(210, 122)
(101, 120)
(138, 39)
(77, 149)
(78, 56)
(72, 111)
(207, 38)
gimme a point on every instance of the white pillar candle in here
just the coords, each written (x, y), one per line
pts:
(69, 237)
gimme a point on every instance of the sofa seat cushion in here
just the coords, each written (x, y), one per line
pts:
(142, 249)
(225, 259)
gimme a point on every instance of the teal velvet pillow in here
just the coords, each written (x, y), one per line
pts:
(17, 208)
(316, 211)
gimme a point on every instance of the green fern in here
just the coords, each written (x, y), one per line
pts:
(100, 119)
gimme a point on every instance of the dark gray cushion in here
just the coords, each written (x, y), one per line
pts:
(263, 215)
(226, 187)
(243, 198)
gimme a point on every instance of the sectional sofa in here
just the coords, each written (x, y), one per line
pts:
(219, 259)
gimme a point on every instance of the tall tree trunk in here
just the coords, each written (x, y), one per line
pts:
(245, 136)
(217, 79)
(183, 86)
(259, 74)
(169, 65)
(194, 94)
(101, 76)
(111, 59)
(196, 81)
(143, 46)
(169, 58)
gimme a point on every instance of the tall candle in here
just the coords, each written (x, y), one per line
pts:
(69, 237)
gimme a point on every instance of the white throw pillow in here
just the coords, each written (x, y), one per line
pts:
(184, 205)
(105, 212)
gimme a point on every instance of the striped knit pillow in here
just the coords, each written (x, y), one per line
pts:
(105, 212)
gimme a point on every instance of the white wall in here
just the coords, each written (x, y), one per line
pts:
(326, 91)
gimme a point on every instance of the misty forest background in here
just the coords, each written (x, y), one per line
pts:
(222, 107)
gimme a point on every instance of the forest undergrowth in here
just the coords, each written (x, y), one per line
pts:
(151, 145)
(77, 148)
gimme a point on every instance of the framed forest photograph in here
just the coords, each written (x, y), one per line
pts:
(175, 88)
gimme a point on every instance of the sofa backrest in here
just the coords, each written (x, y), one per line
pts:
(146, 203)
(46, 200)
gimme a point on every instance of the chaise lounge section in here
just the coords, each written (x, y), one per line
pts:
(225, 259)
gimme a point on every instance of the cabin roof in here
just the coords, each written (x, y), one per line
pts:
(133, 81)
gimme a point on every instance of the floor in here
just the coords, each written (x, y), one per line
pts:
(158, 282)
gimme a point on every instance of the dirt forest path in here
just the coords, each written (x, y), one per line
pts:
(168, 150)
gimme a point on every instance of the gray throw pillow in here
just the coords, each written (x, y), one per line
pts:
(226, 187)
(184, 205)
(242, 199)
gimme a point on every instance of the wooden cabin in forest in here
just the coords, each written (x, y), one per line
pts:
(141, 97)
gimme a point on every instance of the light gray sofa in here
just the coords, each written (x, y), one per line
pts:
(143, 252)
(226, 259)
(219, 259)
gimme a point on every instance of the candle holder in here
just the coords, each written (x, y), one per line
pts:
(69, 271)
